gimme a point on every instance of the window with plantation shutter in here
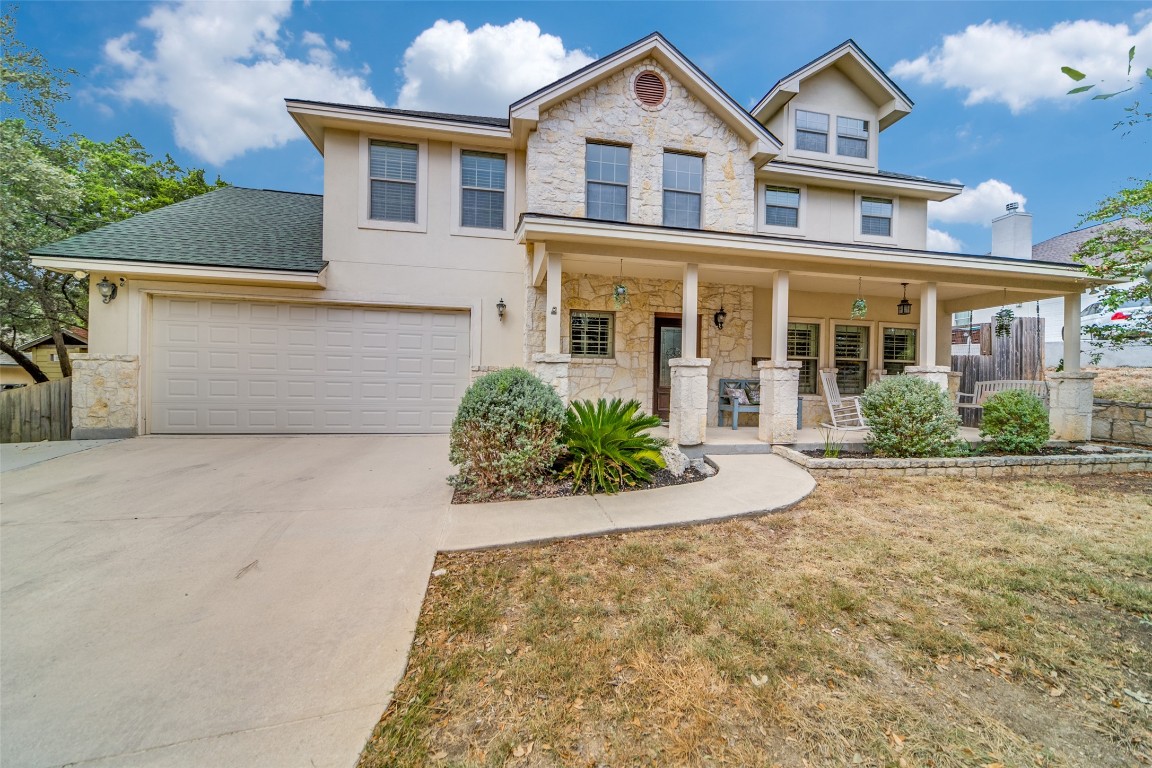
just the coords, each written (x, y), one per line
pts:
(899, 349)
(850, 348)
(804, 347)
(392, 181)
(591, 334)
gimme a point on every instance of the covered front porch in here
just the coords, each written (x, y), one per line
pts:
(605, 318)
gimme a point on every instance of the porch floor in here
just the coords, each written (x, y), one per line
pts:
(725, 440)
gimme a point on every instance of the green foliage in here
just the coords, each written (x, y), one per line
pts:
(506, 433)
(911, 418)
(609, 444)
(1015, 421)
(1134, 113)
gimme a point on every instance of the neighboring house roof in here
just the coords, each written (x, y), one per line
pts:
(498, 122)
(655, 45)
(1060, 249)
(858, 67)
(72, 336)
(228, 227)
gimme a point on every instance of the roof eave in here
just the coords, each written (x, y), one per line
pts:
(314, 118)
(183, 272)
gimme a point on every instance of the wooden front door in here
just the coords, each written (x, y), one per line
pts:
(667, 346)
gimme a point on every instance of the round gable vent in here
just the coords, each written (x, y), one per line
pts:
(650, 89)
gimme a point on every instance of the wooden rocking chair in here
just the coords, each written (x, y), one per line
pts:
(845, 411)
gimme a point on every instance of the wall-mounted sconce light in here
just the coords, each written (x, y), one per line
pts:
(501, 308)
(555, 311)
(905, 306)
(720, 317)
(107, 289)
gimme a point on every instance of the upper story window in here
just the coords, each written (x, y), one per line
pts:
(683, 184)
(606, 176)
(876, 216)
(483, 177)
(851, 137)
(811, 131)
(392, 172)
(782, 206)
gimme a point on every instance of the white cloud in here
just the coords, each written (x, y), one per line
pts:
(341, 45)
(222, 70)
(939, 240)
(448, 68)
(976, 205)
(1000, 62)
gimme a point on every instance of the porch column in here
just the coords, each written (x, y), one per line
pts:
(1070, 391)
(689, 308)
(779, 316)
(779, 395)
(926, 342)
(552, 308)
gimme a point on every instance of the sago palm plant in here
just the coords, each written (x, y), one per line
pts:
(609, 446)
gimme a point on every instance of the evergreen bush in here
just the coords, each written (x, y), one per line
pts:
(910, 417)
(1015, 421)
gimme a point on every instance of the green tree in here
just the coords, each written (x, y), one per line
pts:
(53, 187)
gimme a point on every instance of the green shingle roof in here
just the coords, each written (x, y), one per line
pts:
(228, 227)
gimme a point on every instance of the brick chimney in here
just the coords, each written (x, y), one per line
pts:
(1012, 233)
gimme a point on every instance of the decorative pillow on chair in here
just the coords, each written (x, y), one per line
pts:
(737, 395)
(753, 393)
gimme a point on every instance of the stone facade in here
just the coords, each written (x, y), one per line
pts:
(688, 410)
(629, 373)
(778, 399)
(607, 111)
(1122, 422)
(937, 374)
(105, 396)
(1070, 405)
(553, 370)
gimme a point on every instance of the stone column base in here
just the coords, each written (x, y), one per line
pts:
(553, 370)
(105, 396)
(779, 394)
(937, 374)
(688, 411)
(1070, 405)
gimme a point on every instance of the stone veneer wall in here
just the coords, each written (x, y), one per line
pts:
(607, 111)
(1122, 422)
(105, 396)
(629, 375)
(992, 466)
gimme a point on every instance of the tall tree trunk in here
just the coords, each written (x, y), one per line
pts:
(23, 361)
(62, 352)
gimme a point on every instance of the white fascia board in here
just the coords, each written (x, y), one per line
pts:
(183, 271)
(835, 178)
(400, 125)
(535, 228)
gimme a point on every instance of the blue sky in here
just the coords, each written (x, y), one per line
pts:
(205, 81)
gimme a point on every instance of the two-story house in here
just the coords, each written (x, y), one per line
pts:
(627, 231)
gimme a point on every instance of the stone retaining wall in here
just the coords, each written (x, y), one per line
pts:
(973, 466)
(1122, 422)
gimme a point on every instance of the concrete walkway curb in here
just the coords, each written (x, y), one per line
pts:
(745, 485)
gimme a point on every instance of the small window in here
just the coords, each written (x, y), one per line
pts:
(683, 184)
(875, 216)
(899, 349)
(782, 206)
(592, 334)
(392, 175)
(804, 346)
(851, 137)
(811, 131)
(850, 346)
(482, 180)
(606, 175)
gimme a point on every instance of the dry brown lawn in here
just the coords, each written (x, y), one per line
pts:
(922, 622)
(1132, 385)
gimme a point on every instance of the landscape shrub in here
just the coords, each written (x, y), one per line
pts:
(910, 417)
(609, 446)
(506, 432)
(1015, 421)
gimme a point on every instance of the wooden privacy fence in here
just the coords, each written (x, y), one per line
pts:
(1019, 355)
(36, 412)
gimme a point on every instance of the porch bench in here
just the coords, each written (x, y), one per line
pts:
(986, 389)
(751, 388)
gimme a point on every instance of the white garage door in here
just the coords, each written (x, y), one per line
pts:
(221, 366)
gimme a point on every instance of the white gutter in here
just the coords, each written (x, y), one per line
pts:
(184, 272)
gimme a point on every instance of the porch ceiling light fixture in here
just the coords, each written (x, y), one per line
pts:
(905, 306)
(720, 317)
(501, 308)
(107, 289)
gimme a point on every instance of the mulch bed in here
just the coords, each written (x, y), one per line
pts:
(553, 488)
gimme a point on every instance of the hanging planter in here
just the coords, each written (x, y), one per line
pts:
(619, 290)
(859, 306)
(1003, 320)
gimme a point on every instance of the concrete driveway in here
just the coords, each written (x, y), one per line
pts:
(240, 601)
